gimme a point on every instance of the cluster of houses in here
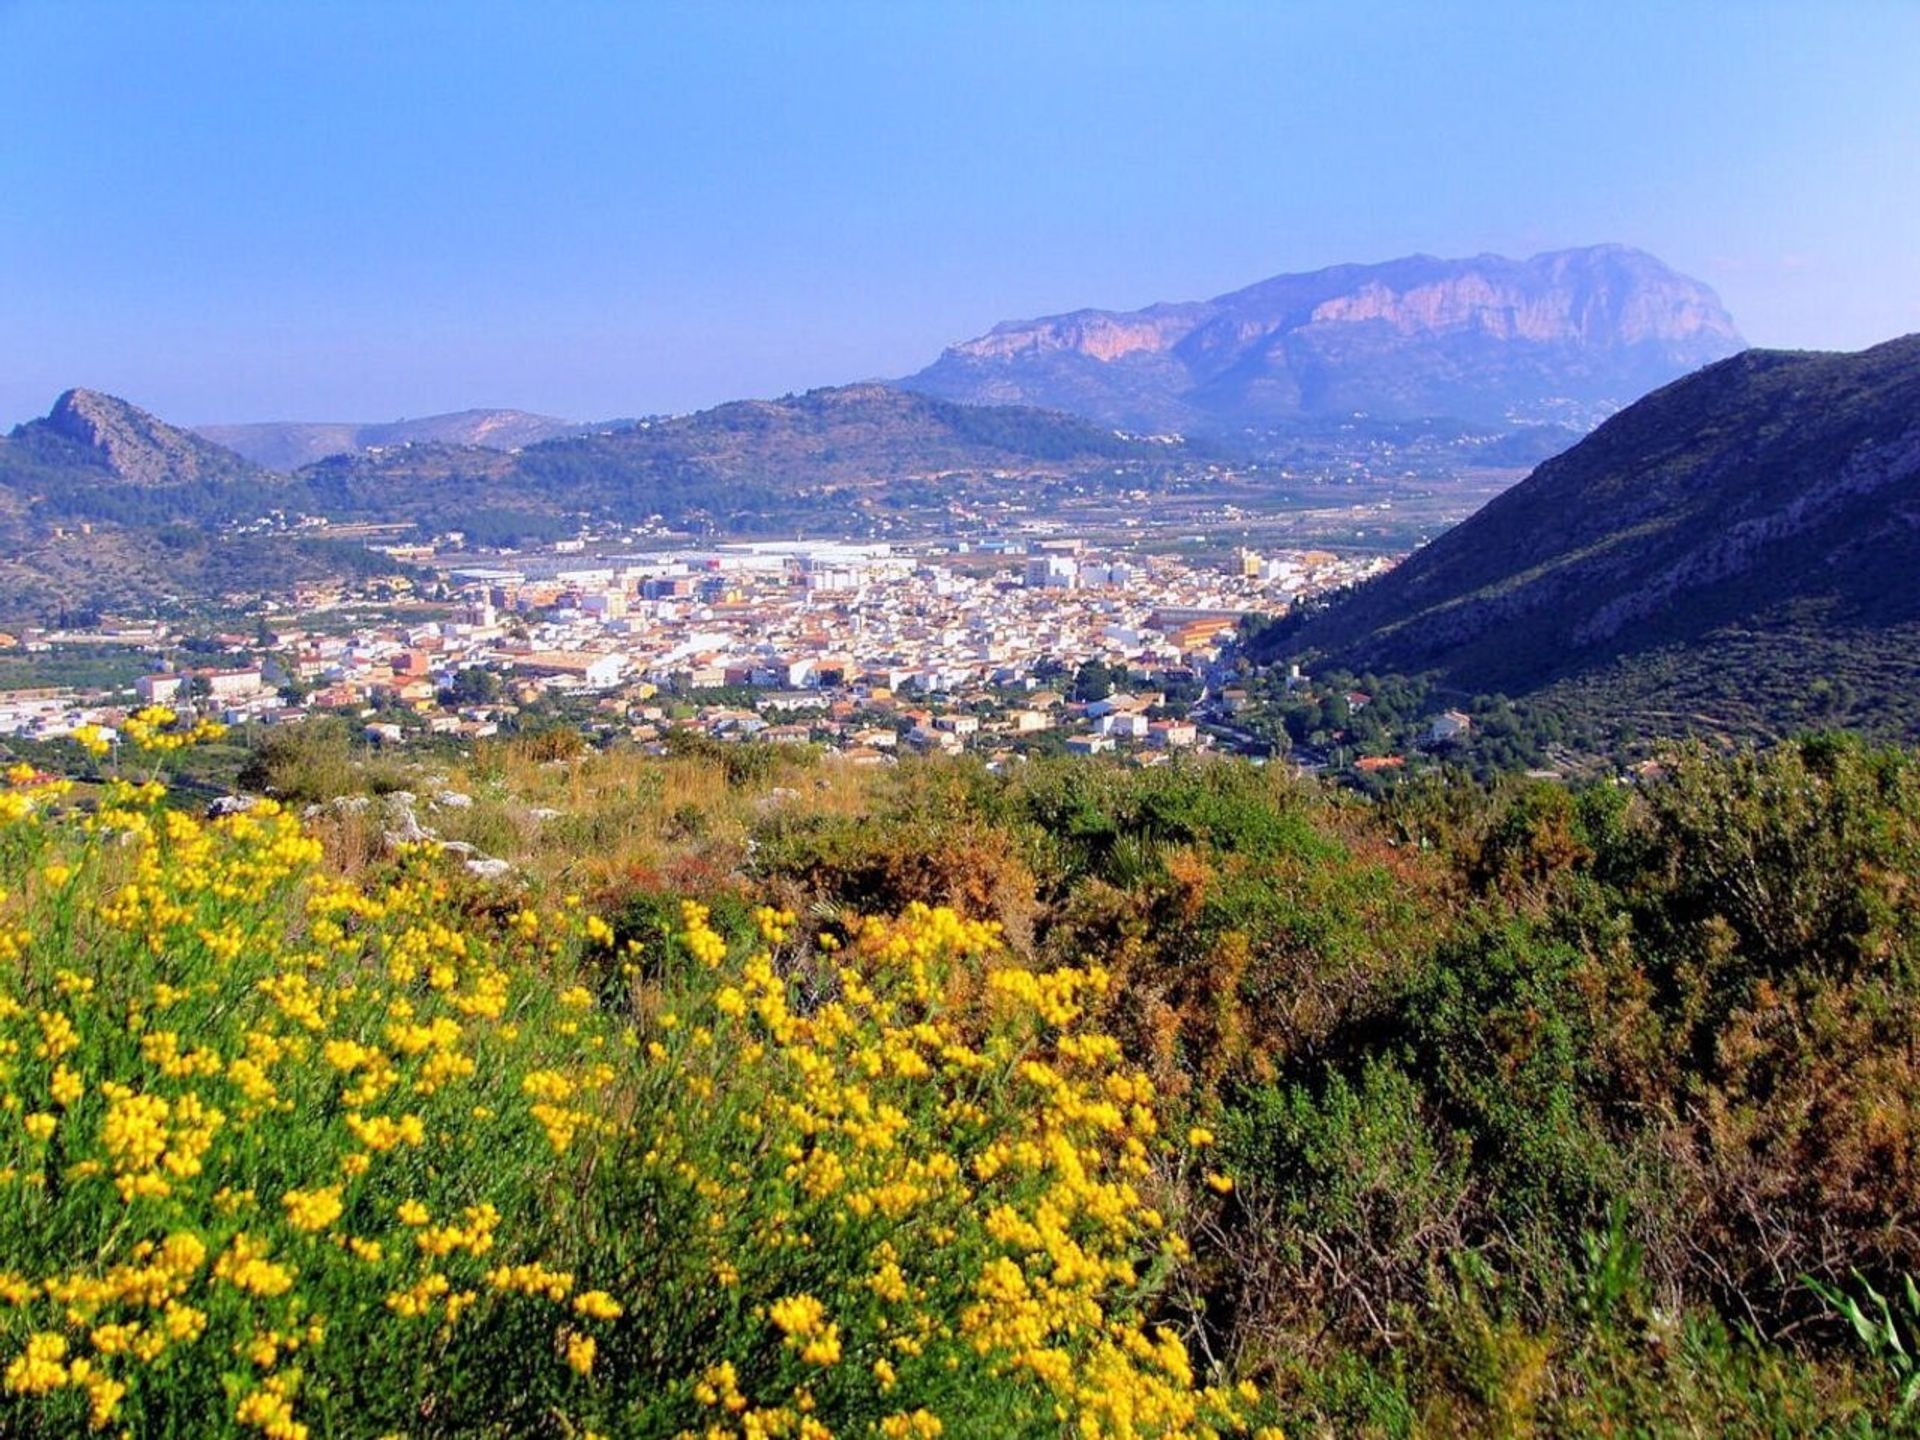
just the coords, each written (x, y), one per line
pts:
(863, 647)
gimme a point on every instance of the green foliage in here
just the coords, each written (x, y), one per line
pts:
(1889, 1332)
(743, 764)
(394, 1155)
(1534, 1097)
(1497, 1028)
(1093, 681)
(83, 667)
(314, 762)
(1716, 560)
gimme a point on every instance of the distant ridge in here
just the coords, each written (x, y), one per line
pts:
(104, 506)
(1743, 544)
(289, 444)
(1563, 337)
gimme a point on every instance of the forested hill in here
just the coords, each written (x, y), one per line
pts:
(752, 466)
(100, 458)
(101, 441)
(104, 505)
(869, 437)
(1739, 547)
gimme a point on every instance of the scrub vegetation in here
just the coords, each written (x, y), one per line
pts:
(773, 1096)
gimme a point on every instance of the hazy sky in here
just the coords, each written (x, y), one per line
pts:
(361, 211)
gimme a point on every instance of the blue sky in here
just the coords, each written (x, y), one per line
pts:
(365, 210)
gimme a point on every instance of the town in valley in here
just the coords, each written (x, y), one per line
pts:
(998, 646)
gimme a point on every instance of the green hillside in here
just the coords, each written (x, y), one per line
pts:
(1736, 551)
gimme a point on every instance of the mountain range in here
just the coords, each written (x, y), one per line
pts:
(289, 444)
(103, 504)
(842, 457)
(1564, 337)
(92, 448)
(1557, 341)
(1738, 550)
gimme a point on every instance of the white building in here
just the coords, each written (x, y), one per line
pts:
(160, 689)
(1051, 572)
(1172, 734)
(233, 684)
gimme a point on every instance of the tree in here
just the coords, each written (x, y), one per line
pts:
(474, 685)
(1094, 681)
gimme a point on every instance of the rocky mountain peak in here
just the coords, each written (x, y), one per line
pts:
(134, 445)
(1571, 334)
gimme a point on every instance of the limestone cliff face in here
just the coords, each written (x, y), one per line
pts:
(1097, 334)
(1580, 331)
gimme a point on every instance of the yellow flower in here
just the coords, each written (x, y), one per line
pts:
(312, 1209)
(183, 1323)
(920, 1425)
(244, 1266)
(38, 1369)
(103, 1400)
(270, 1412)
(66, 1086)
(580, 1352)
(597, 1305)
(1218, 1183)
(797, 1315)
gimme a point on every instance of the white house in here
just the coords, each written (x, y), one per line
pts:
(1172, 734)
(1089, 744)
(159, 689)
(233, 684)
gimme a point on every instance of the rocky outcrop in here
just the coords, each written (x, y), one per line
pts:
(1568, 335)
(397, 815)
(134, 446)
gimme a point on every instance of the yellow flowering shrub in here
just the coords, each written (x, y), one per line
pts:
(288, 1156)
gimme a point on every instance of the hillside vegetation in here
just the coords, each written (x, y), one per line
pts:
(295, 1156)
(1511, 1110)
(105, 507)
(1732, 553)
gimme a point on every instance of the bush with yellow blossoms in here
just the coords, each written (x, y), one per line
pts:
(287, 1156)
